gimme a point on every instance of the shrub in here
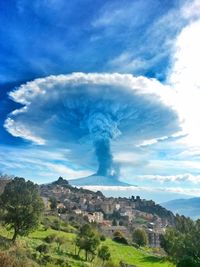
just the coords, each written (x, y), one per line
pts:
(65, 229)
(120, 238)
(7, 260)
(135, 245)
(102, 238)
(46, 259)
(43, 248)
(23, 254)
(104, 253)
(140, 237)
(55, 225)
(46, 223)
(60, 240)
(111, 264)
(62, 263)
(50, 238)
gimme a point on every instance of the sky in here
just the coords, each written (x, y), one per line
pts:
(106, 87)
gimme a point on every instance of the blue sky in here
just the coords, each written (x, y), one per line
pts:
(125, 70)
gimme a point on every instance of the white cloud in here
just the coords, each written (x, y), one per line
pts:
(158, 35)
(153, 141)
(184, 78)
(191, 9)
(147, 50)
(62, 170)
(128, 157)
(40, 92)
(115, 14)
(187, 177)
(29, 91)
(19, 130)
(126, 62)
(34, 163)
(189, 152)
(138, 189)
(186, 191)
(174, 164)
(187, 59)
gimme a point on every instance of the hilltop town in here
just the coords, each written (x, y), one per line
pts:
(78, 227)
(110, 214)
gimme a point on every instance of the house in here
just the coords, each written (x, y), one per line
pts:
(109, 206)
(78, 211)
(60, 206)
(94, 217)
(154, 238)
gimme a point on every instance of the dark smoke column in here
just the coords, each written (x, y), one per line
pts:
(103, 129)
(104, 157)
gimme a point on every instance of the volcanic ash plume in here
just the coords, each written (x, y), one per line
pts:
(104, 157)
(81, 111)
(102, 130)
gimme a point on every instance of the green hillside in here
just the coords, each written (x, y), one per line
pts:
(26, 251)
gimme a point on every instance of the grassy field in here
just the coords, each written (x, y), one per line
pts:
(131, 255)
(119, 252)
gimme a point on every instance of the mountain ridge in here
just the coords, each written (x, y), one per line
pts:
(98, 180)
(187, 207)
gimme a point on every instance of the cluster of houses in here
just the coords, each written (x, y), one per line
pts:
(111, 214)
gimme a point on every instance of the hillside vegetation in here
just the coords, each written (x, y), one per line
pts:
(25, 250)
(38, 232)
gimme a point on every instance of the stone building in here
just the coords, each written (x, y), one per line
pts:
(154, 238)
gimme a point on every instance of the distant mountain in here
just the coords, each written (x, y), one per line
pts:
(98, 180)
(188, 207)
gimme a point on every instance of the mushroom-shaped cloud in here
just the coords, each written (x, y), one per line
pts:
(93, 110)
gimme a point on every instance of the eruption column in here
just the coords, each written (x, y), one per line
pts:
(103, 129)
(104, 157)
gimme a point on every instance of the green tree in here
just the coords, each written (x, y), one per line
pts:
(140, 237)
(188, 262)
(182, 242)
(104, 254)
(88, 240)
(53, 203)
(114, 222)
(21, 205)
